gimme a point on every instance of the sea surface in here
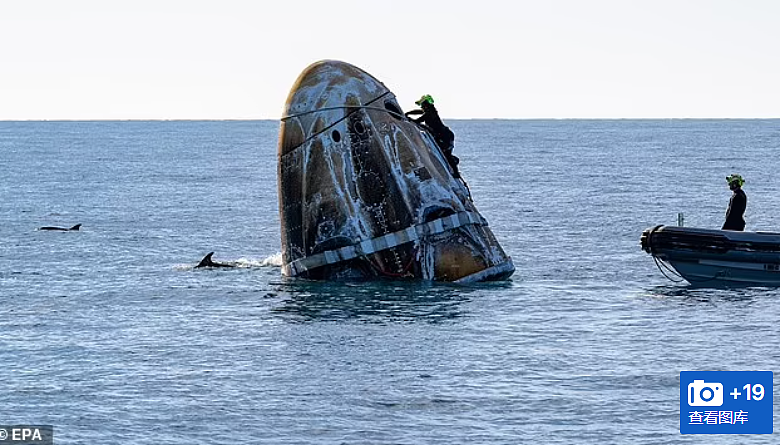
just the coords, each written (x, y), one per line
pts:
(110, 335)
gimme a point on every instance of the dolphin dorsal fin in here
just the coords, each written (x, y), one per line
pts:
(76, 227)
(206, 261)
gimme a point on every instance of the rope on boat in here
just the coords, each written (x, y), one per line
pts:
(661, 265)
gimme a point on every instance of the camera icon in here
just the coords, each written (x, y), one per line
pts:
(705, 394)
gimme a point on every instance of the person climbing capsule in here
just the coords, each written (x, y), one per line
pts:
(735, 214)
(430, 120)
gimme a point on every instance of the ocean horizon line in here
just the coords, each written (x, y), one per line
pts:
(443, 117)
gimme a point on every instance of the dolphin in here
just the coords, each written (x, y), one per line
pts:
(208, 262)
(365, 193)
(61, 229)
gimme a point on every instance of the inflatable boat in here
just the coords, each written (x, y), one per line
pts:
(715, 257)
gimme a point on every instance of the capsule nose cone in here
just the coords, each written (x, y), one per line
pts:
(332, 83)
(321, 95)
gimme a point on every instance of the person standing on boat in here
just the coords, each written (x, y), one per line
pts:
(735, 214)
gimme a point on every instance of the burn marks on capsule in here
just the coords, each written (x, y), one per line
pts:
(354, 173)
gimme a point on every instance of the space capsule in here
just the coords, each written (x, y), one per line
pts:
(365, 193)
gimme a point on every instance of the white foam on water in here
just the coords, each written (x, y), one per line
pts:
(274, 260)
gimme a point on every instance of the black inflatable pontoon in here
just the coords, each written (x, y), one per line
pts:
(716, 257)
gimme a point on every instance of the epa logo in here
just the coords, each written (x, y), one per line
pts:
(705, 394)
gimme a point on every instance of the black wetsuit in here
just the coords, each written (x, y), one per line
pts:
(444, 137)
(734, 215)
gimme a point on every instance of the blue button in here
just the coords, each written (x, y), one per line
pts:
(726, 402)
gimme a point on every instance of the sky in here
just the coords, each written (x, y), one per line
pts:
(237, 59)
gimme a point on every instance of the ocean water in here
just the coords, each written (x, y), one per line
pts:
(110, 335)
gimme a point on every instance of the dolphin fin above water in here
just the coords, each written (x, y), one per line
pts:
(61, 229)
(208, 262)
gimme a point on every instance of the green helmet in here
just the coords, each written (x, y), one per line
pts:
(425, 99)
(735, 178)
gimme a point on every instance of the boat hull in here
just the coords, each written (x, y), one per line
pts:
(717, 257)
